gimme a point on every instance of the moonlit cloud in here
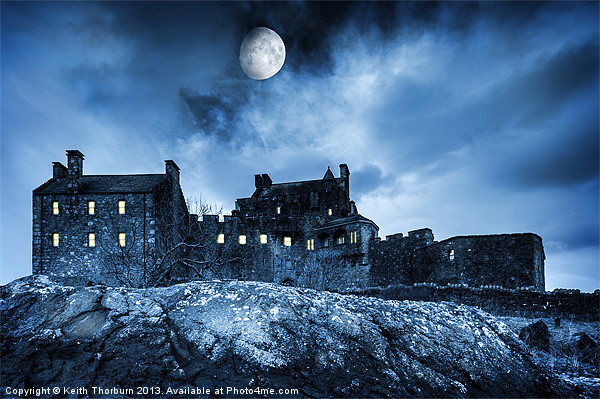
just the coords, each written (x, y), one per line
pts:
(469, 118)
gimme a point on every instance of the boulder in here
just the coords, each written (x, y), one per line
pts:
(587, 350)
(536, 335)
(199, 337)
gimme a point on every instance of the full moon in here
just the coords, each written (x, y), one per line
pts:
(262, 53)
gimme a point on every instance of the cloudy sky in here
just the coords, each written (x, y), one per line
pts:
(468, 118)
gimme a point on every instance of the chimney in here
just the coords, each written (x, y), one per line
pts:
(172, 170)
(59, 170)
(345, 175)
(266, 180)
(75, 169)
(344, 172)
(75, 163)
(258, 181)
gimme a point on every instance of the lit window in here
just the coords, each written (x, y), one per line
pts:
(122, 239)
(91, 239)
(221, 239)
(329, 211)
(353, 237)
(310, 244)
(55, 239)
(121, 207)
(287, 241)
(91, 207)
(451, 254)
(242, 239)
(340, 240)
(278, 210)
(263, 238)
(55, 208)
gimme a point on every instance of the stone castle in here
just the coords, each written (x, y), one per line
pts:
(306, 233)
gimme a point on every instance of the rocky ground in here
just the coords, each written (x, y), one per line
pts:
(571, 350)
(243, 335)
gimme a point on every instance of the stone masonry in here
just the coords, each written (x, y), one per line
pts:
(80, 220)
(305, 233)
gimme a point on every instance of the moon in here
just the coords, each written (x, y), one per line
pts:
(262, 53)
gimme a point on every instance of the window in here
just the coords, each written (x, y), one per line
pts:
(287, 241)
(278, 210)
(55, 209)
(451, 254)
(121, 207)
(310, 244)
(221, 239)
(353, 237)
(91, 207)
(330, 211)
(55, 239)
(122, 239)
(242, 239)
(340, 240)
(263, 238)
(91, 239)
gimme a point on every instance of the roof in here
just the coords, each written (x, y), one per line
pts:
(345, 221)
(99, 184)
(280, 189)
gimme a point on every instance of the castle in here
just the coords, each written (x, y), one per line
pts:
(306, 233)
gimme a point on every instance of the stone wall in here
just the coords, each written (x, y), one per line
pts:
(390, 259)
(566, 304)
(73, 256)
(507, 260)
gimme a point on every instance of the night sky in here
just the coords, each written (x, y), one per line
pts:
(467, 118)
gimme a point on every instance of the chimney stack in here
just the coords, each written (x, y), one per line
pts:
(59, 170)
(345, 174)
(74, 169)
(266, 181)
(172, 170)
(258, 181)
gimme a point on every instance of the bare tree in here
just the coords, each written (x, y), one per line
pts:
(181, 248)
(204, 256)
(322, 269)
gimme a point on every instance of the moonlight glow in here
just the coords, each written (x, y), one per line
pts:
(262, 53)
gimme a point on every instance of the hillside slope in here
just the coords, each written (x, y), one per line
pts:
(247, 334)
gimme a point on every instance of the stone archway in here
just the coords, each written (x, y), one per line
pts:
(288, 282)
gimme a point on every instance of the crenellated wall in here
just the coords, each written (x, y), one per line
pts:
(390, 259)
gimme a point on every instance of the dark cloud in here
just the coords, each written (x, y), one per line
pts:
(483, 110)
(579, 235)
(543, 91)
(570, 161)
(367, 179)
(213, 115)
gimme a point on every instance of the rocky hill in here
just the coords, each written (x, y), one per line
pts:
(249, 336)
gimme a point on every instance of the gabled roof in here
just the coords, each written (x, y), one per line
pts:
(345, 221)
(290, 188)
(297, 187)
(99, 184)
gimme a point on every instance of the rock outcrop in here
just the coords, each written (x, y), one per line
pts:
(258, 335)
